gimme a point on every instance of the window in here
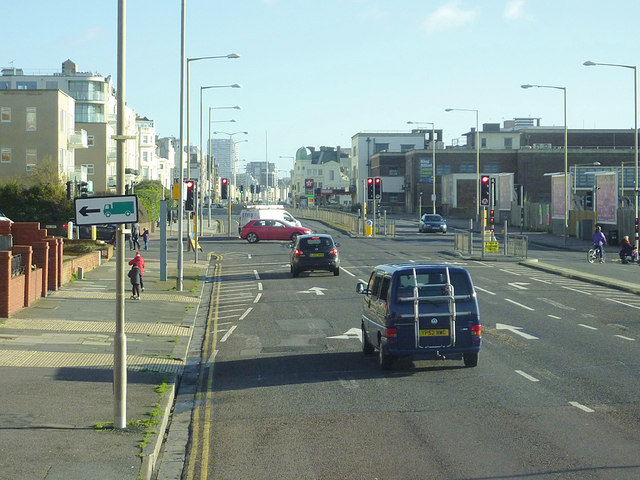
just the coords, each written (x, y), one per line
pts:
(508, 143)
(332, 175)
(407, 147)
(31, 119)
(32, 159)
(90, 168)
(380, 147)
(26, 85)
(393, 172)
(355, 150)
(91, 140)
(5, 155)
(51, 85)
(145, 156)
(374, 284)
(384, 289)
(5, 114)
(483, 143)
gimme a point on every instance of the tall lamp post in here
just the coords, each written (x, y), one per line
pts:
(210, 160)
(184, 62)
(433, 153)
(477, 154)
(232, 162)
(566, 168)
(635, 131)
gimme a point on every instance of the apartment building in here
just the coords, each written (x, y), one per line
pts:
(35, 127)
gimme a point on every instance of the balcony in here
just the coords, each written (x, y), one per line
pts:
(77, 140)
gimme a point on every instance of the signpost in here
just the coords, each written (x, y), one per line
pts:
(115, 209)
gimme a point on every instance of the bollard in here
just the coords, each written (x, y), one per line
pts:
(80, 273)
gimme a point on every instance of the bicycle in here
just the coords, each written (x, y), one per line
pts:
(594, 255)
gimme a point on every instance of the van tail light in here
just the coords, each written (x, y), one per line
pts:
(391, 333)
(476, 330)
(334, 251)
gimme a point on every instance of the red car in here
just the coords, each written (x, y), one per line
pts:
(257, 230)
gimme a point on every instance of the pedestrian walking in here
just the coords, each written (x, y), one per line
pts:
(138, 261)
(145, 238)
(135, 234)
(599, 240)
(136, 277)
(127, 237)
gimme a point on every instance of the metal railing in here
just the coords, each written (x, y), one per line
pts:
(346, 221)
(16, 265)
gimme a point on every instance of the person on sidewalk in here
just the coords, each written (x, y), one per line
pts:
(135, 234)
(139, 262)
(599, 240)
(145, 238)
(628, 250)
(136, 277)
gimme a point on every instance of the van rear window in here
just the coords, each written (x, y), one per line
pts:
(427, 282)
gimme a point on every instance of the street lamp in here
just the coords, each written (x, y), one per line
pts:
(200, 190)
(232, 165)
(566, 171)
(433, 148)
(477, 154)
(635, 130)
(184, 62)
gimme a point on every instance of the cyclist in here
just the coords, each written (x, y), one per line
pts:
(599, 240)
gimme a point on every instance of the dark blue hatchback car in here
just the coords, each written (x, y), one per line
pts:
(420, 310)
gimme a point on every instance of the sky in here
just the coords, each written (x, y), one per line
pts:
(317, 72)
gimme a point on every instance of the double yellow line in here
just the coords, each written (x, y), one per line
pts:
(200, 445)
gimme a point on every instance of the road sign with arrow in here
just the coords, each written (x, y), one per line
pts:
(115, 209)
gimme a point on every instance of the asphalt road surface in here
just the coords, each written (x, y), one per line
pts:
(286, 393)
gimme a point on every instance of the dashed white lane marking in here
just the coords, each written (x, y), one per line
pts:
(260, 286)
(623, 303)
(553, 316)
(347, 271)
(247, 311)
(509, 271)
(581, 407)
(625, 338)
(229, 332)
(258, 297)
(520, 305)
(587, 326)
(485, 291)
(255, 272)
(527, 376)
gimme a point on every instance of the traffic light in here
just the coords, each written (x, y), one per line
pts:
(491, 220)
(224, 188)
(257, 188)
(636, 227)
(83, 189)
(252, 188)
(188, 204)
(241, 188)
(369, 188)
(485, 191)
(69, 189)
(377, 188)
(588, 200)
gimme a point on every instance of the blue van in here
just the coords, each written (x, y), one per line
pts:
(420, 310)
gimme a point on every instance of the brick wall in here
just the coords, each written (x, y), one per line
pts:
(88, 261)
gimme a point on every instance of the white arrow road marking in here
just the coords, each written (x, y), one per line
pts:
(516, 330)
(519, 285)
(520, 305)
(351, 333)
(316, 290)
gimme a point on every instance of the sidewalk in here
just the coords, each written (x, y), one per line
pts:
(56, 365)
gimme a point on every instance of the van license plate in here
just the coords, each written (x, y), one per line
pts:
(317, 254)
(435, 332)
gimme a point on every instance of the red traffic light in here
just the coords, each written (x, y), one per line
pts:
(189, 183)
(377, 181)
(370, 181)
(485, 179)
(224, 181)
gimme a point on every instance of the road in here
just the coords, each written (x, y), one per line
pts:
(286, 393)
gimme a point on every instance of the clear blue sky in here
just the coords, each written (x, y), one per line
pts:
(315, 72)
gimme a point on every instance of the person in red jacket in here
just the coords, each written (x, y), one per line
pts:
(139, 261)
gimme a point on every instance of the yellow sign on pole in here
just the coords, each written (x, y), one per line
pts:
(176, 191)
(491, 247)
